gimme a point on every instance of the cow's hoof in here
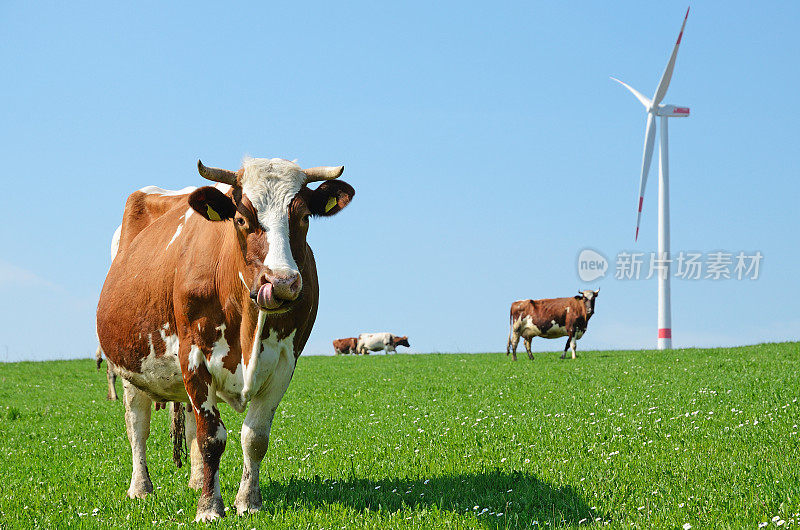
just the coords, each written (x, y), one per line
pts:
(209, 509)
(244, 508)
(140, 491)
(207, 517)
(249, 501)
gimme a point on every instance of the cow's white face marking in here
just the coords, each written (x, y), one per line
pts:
(177, 233)
(271, 184)
(188, 214)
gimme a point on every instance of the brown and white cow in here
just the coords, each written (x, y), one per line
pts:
(214, 299)
(368, 342)
(345, 346)
(550, 318)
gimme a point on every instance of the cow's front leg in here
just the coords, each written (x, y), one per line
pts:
(255, 434)
(255, 438)
(572, 343)
(137, 424)
(196, 459)
(210, 437)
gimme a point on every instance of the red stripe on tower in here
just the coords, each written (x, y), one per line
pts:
(665, 333)
(641, 200)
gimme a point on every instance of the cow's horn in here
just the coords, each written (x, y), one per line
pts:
(315, 174)
(216, 174)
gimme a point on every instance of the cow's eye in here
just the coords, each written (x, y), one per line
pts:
(306, 217)
(240, 221)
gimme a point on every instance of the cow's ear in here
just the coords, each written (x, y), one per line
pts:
(330, 198)
(212, 204)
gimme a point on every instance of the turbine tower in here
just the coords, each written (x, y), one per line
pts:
(655, 108)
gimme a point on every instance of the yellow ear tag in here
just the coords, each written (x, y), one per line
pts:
(331, 203)
(212, 214)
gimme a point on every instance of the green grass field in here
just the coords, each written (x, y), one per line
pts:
(643, 439)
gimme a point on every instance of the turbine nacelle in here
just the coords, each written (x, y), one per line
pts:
(672, 111)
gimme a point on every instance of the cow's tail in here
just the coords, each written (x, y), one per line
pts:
(177, 433)
(98, 357)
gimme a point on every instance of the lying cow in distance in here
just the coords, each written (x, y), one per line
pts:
(550, 318)
(368, 342)
(345, 346)
(215, 300)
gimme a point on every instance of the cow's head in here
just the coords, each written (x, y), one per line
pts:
(270, 205)
(589, 297)
(401, 341)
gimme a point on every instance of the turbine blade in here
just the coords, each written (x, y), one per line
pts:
(647, 156)
(639, 95)
(663, 85)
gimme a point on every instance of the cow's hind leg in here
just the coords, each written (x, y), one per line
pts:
(195, 457)
(255, 433)
(528, 348)
(514, 338)
(137, 423)
(111, 377)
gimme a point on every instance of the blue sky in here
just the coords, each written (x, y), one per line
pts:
(486, 142)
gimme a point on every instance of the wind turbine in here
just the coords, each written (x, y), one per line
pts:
(655, 108)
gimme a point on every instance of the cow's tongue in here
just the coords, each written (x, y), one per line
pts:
(265, 297)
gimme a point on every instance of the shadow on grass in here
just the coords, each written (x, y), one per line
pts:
(521, 498)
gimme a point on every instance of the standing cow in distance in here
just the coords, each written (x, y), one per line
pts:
(368, 342)
(213, 301)
(550, 318)
(345, 346)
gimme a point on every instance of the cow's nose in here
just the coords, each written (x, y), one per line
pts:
(286, 285)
